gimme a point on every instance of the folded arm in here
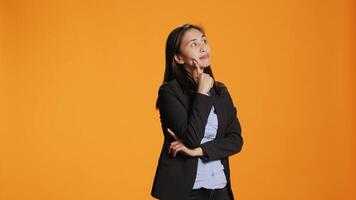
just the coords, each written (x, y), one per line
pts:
(230, 144)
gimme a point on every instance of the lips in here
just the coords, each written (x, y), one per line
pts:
(204, 57)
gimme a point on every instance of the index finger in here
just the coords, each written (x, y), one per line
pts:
(172, 134)
(197, 67)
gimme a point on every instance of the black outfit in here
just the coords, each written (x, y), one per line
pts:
(186, 114)
(209, 194)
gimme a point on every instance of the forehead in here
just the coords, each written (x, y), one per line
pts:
(191, 34)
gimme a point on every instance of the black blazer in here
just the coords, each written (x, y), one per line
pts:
(186, 115)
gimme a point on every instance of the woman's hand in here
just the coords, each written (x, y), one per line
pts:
(204, 81)
(178, 145)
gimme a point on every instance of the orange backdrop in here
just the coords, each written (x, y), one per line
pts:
(79, 80)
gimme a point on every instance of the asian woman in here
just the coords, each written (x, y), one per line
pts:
(199, 122)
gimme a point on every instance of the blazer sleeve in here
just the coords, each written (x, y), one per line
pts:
(230, 144)
(188, 125)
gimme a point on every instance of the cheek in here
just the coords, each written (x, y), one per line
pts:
(189, 55)
(192, 55)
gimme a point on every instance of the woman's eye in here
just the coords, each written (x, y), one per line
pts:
(194, 44)
(205, 41)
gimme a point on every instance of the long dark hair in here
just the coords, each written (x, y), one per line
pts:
(175, 70)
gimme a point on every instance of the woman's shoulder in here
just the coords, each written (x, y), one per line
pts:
(168, 85)
(221, 87)
(220, 84)
(225, 94)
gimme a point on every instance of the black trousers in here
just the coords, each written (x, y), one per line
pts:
(209, 194)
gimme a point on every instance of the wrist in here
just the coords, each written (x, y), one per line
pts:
(198, 151)
(205, 93)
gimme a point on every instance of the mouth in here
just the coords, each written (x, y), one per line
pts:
(204, 57)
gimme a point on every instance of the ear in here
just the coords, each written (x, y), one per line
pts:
(178, 59)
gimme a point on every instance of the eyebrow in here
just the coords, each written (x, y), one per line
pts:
(195, 39)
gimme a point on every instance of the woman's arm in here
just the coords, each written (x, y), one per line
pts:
(231, 143)
(188, 126)
(178, 146)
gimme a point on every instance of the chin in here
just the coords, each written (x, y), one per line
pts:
(205, 64)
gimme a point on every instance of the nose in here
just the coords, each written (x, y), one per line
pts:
(202, 47)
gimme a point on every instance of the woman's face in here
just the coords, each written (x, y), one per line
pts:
(193, 46)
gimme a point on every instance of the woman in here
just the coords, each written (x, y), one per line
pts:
(199, 122)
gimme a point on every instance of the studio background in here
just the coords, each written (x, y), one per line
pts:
(79, 80)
